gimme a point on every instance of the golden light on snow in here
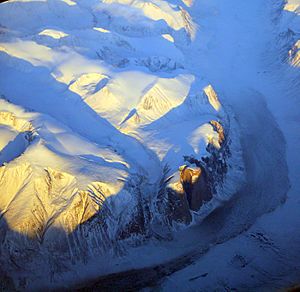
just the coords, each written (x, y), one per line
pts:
(176, 19)
(69, 2)
(65, 66)
(168, 37)
(56, 34)
(87, 84)
(202, 136)
(291, 6)
(154, 12)
(104, 100)
(48, 199)
(294, 54)
(212, 97)
(103, 30)
(188, 3)
(29, 51)
(36, 200)
(56, 190)
(46, 182)
(18, 124)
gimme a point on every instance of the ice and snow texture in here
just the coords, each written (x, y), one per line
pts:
(260, 54)
(105, 94)
(105, 104)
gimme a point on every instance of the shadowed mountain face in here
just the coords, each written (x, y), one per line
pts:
(103, 103)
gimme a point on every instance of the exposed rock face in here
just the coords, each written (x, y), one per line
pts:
(195, 185)
(218, 127)
(197, 182)
(294, 54)
(179, 205)
(6, 283)
(201, 192)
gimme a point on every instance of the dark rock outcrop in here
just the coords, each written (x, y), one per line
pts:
(196, 187)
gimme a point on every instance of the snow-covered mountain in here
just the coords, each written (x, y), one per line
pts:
(103, 101)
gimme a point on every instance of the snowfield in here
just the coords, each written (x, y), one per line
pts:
(103, 101)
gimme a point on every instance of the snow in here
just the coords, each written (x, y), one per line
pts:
(97, 98)
(264, 257)
(49, 148)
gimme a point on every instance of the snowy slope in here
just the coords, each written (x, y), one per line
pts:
(100, 103)
(265, 257)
